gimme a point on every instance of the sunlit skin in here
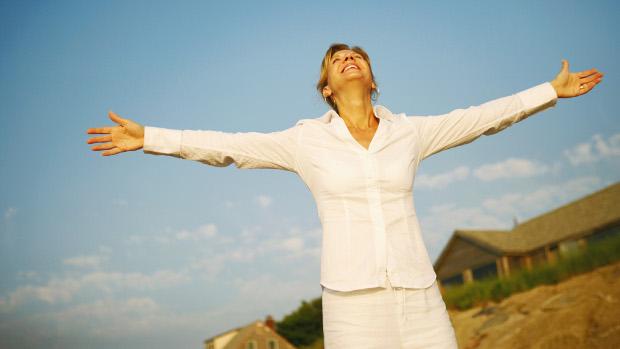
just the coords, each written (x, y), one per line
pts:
(351, 90)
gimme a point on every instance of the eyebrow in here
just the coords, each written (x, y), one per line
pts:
(336, 55)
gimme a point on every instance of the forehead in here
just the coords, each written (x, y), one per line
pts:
(342, 52)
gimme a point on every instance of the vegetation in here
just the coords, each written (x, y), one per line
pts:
(596, 254)
(304, 326)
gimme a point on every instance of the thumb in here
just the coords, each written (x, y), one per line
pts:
(117, 118)
(564, 66)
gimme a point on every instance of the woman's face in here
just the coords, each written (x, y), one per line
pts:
(347, 66)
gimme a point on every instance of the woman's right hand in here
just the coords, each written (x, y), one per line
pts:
(128, 135)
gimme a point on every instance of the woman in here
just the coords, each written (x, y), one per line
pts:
(359, 161)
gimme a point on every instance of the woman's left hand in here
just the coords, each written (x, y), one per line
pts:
(567, 84)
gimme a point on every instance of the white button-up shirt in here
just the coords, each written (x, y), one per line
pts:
(364, 197)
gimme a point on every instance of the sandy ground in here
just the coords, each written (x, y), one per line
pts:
(581, 312)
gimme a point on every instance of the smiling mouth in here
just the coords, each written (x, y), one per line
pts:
(350, 67)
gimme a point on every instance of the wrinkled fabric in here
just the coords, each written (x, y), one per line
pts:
(364, 197)
(387, 318)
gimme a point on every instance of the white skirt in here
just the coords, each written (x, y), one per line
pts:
(387, 318)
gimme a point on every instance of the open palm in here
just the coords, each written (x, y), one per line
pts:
(569, 84)
(128, 135)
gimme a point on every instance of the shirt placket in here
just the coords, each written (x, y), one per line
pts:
(376, 215)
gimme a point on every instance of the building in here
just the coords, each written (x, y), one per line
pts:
(474, 254)
(256, 335)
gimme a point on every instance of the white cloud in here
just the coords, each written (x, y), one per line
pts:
(133, 322)
(27, 275)
(293, 244)
(201, 233)
(93, 261)
(542, 199)
(510, 168)
(264, 200)
(443, 179)
(64, 289)
(89, 261)
(211, 265)
(9, 213)
(271, 290)
(109, 318)
(594, 150)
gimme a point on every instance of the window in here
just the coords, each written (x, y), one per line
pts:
(272, 344)
(453, 281)
(251, 344)
(488, 270)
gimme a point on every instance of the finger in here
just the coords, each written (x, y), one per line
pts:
(564, 66)
(588, 87)
(585, 73)
(112, 152)
(99, 139)
(104, 146)
(590, 78)
(116, 118)
(99, 130)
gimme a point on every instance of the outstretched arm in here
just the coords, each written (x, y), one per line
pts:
(275, 150)
(461, 126)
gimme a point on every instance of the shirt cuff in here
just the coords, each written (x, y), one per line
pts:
(538, 97)
(162, 141)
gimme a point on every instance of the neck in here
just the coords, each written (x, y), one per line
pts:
(356, 110)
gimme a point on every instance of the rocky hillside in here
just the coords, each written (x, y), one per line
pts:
(581, 312)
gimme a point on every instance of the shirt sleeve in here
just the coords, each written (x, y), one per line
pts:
(247, 150)
(461, 126)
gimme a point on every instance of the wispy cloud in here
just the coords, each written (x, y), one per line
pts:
(203, 232)
(443, 179)
(594, 150)
(93, 261)
(64, 289)
(510, 168)
(9, 213)
(264, 200)
(543, 198)
(442, 220)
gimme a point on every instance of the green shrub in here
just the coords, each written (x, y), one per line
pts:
(599, 253)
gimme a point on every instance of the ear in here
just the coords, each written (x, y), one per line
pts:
(327, 91)
(373, 86)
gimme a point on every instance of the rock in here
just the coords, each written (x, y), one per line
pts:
(559, 301)
(581, 312)
(488, 310)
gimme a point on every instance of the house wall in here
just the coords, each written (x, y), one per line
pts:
(461, 256)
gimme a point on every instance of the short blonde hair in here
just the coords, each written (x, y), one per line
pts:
(327, 58)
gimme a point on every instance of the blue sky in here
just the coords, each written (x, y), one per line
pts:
(137, 251)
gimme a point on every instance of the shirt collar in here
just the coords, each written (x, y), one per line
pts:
(380, 111)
